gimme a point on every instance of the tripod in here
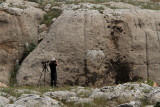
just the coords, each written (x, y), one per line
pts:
(44, 70)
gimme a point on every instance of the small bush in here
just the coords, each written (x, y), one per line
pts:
(149, 82)
(100, 101)
(146, 91)
(1, 1)
(100, 9)
(28, 49)
(50, 15)
(144, 101)
(157, 104)
(11, 91)
(18, 6)
(13, 80)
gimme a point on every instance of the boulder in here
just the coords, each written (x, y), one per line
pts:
(92, 48)
(4, 101)
(2, 85)
(154, 95)
(36, 100)
(78, 100)
(13, 105)
(131, 104)
(19, 24)
(61, 95)
(11, 98)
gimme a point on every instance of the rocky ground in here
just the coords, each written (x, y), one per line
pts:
(122, 95)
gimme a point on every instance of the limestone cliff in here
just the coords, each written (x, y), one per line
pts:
(18, 25)
(99, 47)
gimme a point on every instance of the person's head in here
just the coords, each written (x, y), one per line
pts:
(53, 60)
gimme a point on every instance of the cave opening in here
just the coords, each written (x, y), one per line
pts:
(121, 70)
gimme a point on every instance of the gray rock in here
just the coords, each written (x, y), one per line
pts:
(55, 8)
(42, 27)
(42, 35)
(127, 38)
(149, 106)
(154, 95)
(47, 7)
(18, 27)
(13, 105)
(131, 95)
(131, 104)
(28, 91)
(8, 96)
(54, 19)
(107, 96)
(4, 101)
(36, 100)
(107, 89)
(60, 94)
(78, 100)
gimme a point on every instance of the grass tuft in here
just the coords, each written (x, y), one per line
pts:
(1, 1)
(50, 15)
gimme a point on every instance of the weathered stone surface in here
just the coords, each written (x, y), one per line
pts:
(154, 95)
(79, 100)
(131, 95)
(3, 101)
(19, 24)
(36, 100)
(14, 105)
(60, 94)
(47, 7)
(96, 49)
(122, 93)
(8, 96)
(131, 104)
(2, 85)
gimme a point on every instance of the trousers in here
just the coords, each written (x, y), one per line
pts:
(53, 79)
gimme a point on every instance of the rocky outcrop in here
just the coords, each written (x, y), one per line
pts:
(97, 47)
(19, 22)
(36, 100)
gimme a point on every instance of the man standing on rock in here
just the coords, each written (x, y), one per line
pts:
(52, 66)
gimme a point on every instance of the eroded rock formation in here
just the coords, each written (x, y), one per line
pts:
(97, 48)
(19, 25)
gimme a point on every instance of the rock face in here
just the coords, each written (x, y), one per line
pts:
(19, 22)
(95, 49)
(36, 100)
(3, 101)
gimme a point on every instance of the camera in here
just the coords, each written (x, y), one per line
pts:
(45, 64)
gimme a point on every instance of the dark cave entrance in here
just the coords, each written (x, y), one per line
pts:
(121, 70)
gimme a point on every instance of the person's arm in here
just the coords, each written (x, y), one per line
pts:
(57, 63)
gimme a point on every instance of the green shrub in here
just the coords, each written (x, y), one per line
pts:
(100, 101)
(100, 9)
(144, 101)
(149, 82)
(157, 104)
(146, 90)
(50, 15)
(10, 91)
(28, 49)
(1, 1)
(12, 79)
